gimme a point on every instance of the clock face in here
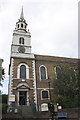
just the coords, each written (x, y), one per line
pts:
(21, 49)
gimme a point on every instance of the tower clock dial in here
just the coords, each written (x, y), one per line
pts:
(21, 49)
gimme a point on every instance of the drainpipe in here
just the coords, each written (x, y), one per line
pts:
(36, 86)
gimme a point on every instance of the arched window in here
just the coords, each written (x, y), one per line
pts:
(18, 25)
(57, 70)
(22, 25)
(23, 71)
(21, 40)
(43, 73)
(45, 94)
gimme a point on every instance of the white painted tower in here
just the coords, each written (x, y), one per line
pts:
(21, 43)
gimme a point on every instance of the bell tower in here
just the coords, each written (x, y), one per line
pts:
(21, 43)
(22, 80)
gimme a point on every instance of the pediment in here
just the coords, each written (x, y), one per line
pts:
(23, 87)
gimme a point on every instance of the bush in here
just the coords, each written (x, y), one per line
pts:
(4, 108)
(4, 99)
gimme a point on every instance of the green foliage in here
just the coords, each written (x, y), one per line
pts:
(4, 103)
(2, 73)
(66, 86)
(4, 99)
(51, 107)
(4, 108)
(67, 102)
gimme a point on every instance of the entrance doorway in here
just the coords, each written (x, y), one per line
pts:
(22, 97)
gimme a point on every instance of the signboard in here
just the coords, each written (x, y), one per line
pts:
(59, 107)
(44, 107)
(12, 98)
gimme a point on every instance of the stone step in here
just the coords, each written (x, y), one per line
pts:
(25, 111)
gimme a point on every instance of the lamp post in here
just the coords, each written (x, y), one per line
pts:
(51, 104)
(49, 90)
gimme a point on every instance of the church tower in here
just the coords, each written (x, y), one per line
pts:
(21, 43)
(22, 81)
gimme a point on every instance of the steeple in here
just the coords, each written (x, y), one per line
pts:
(22, 15)
(21, 25)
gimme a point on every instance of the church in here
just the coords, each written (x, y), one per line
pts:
(30, 75)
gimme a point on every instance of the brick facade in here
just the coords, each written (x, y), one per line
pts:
(50, 62)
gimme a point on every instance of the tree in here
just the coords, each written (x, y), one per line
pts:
(2, 73)
(66, 86)
(4, 103)
(4, 99)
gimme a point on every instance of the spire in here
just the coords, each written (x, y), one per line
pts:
(22, 15)
(21, 24)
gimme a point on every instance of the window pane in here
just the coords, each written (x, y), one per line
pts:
(43, 72)
(44, 94)
(23, 71)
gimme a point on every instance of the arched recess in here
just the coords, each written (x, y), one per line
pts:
(43, 72)
(23, 71)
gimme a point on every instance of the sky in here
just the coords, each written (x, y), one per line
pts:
(53, 25)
